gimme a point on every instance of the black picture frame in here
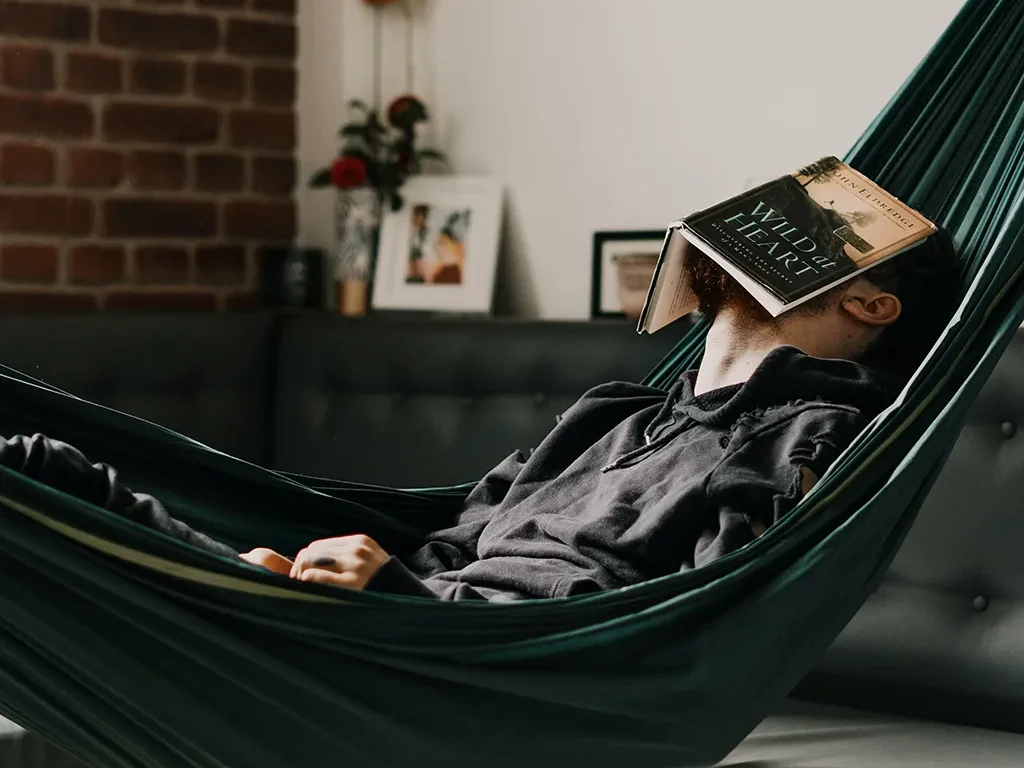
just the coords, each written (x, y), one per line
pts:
(598, 273)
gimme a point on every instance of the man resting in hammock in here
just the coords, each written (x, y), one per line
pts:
(633, 482)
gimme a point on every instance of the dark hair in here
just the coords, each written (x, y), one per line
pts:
(421, 210)
(926, 279)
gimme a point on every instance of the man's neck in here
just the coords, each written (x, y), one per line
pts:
(734, 350)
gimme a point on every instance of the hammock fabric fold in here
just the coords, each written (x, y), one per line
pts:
(130, 649)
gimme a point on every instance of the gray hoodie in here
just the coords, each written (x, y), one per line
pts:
(635, 483)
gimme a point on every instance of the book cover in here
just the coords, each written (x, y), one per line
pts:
(786, 241)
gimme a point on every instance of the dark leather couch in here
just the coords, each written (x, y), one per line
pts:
(930, 672)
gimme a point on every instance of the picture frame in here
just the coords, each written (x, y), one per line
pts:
(439, 251)
(605, 301)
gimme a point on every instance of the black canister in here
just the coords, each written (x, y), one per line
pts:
(292, 277)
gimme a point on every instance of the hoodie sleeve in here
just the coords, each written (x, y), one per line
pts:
(585, 422)
(761, 481)
(395, 579)
(452, 549)
(66, 469)
(581, 425)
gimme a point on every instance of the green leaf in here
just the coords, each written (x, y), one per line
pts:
(355, 148)
(358, 104)
(373, 176)
(322, 178)
(389, 176)
(396, 201)
(359, 153)
(373, 125)
(353, 129)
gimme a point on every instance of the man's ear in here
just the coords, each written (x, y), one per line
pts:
(870, 305)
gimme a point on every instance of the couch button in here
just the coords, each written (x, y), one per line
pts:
(1008, 428)
(400, 399)
(979, 603)
(466, 401)
(540, 398)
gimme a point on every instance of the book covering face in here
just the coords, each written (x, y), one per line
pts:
(786, 241)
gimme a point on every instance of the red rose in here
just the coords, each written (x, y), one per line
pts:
(406, 111)
(348, 172)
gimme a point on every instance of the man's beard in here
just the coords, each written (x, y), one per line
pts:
(716, 290)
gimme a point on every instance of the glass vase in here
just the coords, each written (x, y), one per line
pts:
(357, 217)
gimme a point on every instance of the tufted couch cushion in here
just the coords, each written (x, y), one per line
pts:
(206, 376)
(409, 403)
(943, 636)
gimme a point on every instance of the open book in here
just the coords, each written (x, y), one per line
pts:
(785, 241)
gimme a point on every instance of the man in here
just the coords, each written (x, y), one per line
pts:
(634, 483)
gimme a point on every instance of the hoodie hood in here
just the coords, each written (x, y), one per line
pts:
(786, 375)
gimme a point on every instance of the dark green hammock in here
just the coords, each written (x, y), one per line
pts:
(130, 649)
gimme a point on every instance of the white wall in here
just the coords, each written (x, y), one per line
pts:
(612, 114)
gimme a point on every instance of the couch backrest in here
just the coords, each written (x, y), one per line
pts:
(206, 376)
(412, 403)
(407, 403)
(943, 636)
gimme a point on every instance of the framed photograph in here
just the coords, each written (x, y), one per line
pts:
(638, 252)
(439, 252)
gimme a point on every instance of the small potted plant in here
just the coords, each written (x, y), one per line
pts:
(376, 158)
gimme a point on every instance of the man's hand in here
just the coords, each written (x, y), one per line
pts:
(346, 561)
(269, 559)
(807, 480)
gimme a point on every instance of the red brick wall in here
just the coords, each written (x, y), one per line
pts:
(146, 151)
